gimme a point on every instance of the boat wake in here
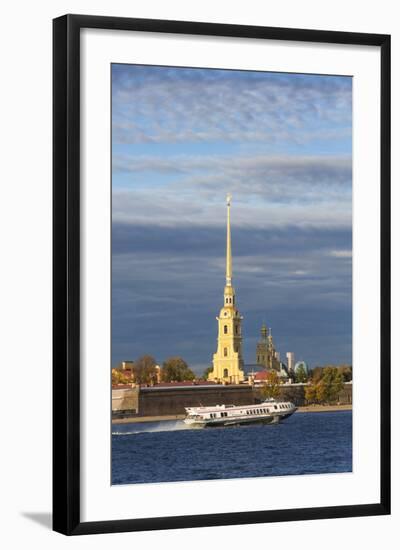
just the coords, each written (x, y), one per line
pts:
(165, 426)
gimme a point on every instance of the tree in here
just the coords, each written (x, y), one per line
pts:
(317, 374)
(119, 377)
(310, 393)
(333, 383)
(325, 386)
(347, 372)
(207, 372)
(271, 386)
(320, 391)
(301, 375)
(145, 370)
(175, 369)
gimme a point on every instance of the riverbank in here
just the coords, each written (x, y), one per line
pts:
(309, 408)
(324, 408)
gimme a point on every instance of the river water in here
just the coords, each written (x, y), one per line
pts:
(305, 443)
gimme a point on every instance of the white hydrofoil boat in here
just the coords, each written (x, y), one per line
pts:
(270, 411)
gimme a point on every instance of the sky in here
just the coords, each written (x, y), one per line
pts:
(281, 145)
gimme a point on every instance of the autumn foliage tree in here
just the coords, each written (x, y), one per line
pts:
(145, 370)
(332, 382)
(120, 377)
(310, 393)
(325, 386)
(345, 370)
(175, 369)
(271, 387)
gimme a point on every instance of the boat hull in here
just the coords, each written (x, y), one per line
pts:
(243, 421)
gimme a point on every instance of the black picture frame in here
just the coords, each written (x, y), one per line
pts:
(66, 273)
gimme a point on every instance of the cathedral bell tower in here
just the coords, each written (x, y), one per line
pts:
(267, 356)
(228, 360)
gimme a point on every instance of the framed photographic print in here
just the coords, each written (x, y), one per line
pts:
(221, 274)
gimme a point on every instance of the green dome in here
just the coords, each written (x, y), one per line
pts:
(300, 364)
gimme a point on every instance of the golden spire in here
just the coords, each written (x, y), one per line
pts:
(228, 242)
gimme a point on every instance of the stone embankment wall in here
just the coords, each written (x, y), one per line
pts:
(125, 402)
(158, 401)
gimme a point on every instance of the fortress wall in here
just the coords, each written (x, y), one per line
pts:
(125, 402)
(159, 401)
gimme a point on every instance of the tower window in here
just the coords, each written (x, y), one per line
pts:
(225, 329)
(225, 373)
(225, 352)
(237, 329)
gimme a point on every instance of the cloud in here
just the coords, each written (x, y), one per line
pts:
(267, 191)
(171, 211)
(161, 104)
(341, 253)
(275, 169)
(168, 284)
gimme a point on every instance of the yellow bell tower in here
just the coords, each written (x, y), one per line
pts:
(228, 360)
